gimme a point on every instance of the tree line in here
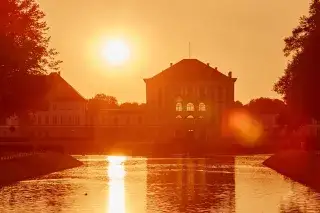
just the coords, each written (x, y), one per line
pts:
(26, 55)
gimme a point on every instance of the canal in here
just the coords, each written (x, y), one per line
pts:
(136, 185)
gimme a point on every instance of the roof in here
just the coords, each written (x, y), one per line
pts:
(191, 69)
(61, 90)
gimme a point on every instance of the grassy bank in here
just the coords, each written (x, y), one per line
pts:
(300, 166)
(31, 166)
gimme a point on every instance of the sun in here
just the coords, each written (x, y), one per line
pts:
(116, 52)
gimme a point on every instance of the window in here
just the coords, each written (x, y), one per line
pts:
(115, 120)
(139, 120)
(179, 107)
(61, 119)
(54, 120)
(39, 120)
(47, 120)
(190, 107)
(202, 107)
(128, 120)
(77, 120)
(190, 117)
(202, 92)
(189, 90)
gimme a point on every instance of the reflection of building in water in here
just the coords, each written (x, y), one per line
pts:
(260, 189)
(136, 185)
(264, 189)
(191, 185)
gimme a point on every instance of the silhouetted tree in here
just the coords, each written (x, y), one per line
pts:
(102, 101)
(108, 100)
(25, 57)
(132, 106)
(266, 105)
(300, 83)
(238, 104)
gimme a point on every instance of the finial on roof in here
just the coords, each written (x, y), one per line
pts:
(208, 64)
(230, 74)
(171, 64)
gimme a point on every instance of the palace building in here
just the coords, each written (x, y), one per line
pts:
(189, 100)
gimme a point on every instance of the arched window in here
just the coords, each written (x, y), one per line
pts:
(179, 107)
(179, 117)
(200, 117)
(190, 107)
(190, 117)
(202, 107)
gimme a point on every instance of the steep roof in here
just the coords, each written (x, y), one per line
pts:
(191, 69)
(61, 90)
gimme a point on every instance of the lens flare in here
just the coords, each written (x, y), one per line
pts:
(245, 127)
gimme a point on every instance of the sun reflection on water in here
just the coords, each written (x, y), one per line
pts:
(116, 175)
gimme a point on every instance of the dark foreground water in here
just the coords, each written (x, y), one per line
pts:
(137, 185)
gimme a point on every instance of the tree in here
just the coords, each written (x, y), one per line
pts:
(238, 104)
(108, 100)
(132, 106)
(266, 105)
(102, 101)
(25, 57)
(300, 83)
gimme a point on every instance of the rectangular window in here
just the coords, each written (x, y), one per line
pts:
(54, 120)
(47, 120)
(39, 120)
(202, 92)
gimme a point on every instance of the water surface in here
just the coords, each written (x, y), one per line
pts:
(136, 185)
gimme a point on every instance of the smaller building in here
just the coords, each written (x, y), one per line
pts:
(119, 125)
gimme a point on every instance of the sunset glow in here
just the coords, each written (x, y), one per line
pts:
(116, 52)
(245, 127)
(116, 174)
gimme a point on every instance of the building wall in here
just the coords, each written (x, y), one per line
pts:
(163, 97)
(62, 114)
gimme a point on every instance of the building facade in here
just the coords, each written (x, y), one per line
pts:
(189, 100)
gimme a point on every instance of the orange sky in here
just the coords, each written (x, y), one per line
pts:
(244, 36)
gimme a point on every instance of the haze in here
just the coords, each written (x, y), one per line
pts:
(245, 37)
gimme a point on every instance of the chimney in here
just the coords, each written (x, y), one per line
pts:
(216, 68)
(230, 74)
(59, 73)
(170, 64)
(208, 64)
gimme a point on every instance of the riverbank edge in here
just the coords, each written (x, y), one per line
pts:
(34, 166)
(298, 165)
